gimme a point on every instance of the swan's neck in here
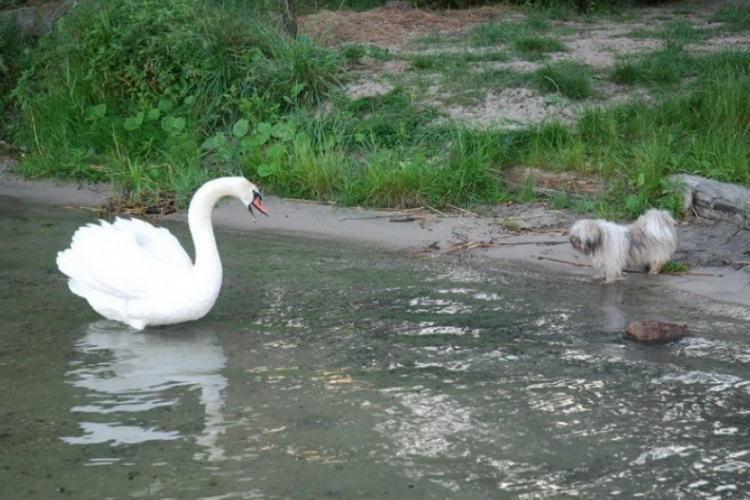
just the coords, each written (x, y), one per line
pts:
(207, 261)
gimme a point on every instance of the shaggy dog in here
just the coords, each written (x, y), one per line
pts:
(651, 240)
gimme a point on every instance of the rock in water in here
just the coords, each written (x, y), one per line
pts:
(650, 331)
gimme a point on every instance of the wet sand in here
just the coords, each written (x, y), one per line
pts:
(432, 232)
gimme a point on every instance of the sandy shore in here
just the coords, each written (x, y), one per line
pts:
(530, 234)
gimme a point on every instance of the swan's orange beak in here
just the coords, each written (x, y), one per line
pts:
(258, 203)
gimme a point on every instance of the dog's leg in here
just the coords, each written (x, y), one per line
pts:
(655, 267)
(612, 274)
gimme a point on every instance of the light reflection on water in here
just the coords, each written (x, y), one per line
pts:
(337, 372)
(124, 372)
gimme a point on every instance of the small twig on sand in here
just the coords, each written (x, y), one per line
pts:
(443, 214)
(89, 209)
(545, 243)
(563, 261)
(688, 274)
(469, 245)
(391, 217)
(312, 202)
(463, 210)
(415, 209)
(523, 217)
(406, 218)
(436, 211)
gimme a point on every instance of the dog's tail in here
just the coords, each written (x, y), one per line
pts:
(657, 224)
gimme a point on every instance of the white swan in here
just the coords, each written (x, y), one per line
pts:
(138, 274)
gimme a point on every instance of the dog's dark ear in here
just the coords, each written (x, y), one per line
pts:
(592, 238)
(575, 241)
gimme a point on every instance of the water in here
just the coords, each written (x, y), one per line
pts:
(327, 371)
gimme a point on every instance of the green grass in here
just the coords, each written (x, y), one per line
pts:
(529, 39)
(705, 132)
(681, 32)
(446, 59)
(103, 86)
(538, 45)
(676, 33)
(355, 53)
(663, 67)
(673, 267)
(103, 99)
(500, 79)
(736, 17)
(569, 78)
(13, 55)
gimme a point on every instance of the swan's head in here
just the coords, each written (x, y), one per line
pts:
(250, 196)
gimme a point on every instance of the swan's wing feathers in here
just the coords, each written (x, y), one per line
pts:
(112, 259)
(157, 242)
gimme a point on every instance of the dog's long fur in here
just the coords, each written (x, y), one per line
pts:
(652, 239)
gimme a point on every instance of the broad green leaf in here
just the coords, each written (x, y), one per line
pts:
(284, 131)
(173, 124)
(96, 112)
(296, 89)
(212, 143)
(277, 151)
(134, 122)
(240, 128)
(250, 143)
(264, 132)
(165, 105)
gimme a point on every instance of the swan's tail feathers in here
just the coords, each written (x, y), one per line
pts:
(80, 281)
(95, 262)
(70, 266)
(79, 288)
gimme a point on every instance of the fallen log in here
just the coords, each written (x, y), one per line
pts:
(712, 199)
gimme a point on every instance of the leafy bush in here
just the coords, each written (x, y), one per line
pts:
(147, 79)
(12, 57)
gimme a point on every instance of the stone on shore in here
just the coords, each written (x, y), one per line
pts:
(649, 331)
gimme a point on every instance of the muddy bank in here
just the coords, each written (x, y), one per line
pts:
(530, 234)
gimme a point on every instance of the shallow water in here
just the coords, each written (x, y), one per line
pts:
(331, 371)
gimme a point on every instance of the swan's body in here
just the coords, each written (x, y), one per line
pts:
(138, 274)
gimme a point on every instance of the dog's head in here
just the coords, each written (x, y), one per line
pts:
(586, 236)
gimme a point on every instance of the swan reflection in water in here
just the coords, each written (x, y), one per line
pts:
(126, 372)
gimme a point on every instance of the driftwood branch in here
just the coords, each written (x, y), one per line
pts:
(712, 199)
